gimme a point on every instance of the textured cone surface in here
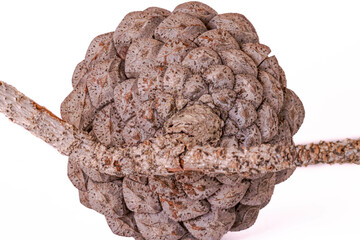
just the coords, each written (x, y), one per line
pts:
(159, 226)
(139, 198)
(203, 78)
(182, 209)
(124, 226)
(245, 217)
(212, 225)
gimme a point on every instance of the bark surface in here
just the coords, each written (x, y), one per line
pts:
(166, 154)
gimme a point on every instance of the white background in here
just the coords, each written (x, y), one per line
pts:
(317, 44)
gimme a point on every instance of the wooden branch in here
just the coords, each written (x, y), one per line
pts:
(38, 120)
(343, 151)
(165, 154)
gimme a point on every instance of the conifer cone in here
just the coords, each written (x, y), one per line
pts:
(201, 76)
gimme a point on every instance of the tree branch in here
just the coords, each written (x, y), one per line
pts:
(166, 154)
(38, 120)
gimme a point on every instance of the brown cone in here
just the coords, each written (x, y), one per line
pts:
(191, 71)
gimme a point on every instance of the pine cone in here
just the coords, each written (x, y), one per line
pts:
(202, 77)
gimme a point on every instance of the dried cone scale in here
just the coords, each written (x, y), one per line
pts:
(179, 125)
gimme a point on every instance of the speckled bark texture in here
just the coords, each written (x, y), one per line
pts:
(179, 125)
